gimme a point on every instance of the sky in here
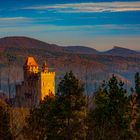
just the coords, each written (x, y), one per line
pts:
(100, 24)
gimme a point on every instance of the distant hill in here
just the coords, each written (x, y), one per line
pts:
(26, 44)
(81, 50)
(119, 51)
(85, 62)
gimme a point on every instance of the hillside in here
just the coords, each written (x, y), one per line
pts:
(26, 44)
(81, 50)
(119, 51)
(86, 63)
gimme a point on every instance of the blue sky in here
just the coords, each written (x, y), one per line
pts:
(100, 24)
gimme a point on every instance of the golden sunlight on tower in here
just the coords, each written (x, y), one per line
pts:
(36, 85)
(47, 82)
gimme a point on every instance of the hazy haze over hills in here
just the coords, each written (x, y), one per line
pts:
(85, 62)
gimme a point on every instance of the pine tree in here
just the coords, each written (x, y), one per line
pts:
(108, 116)
(71, 106)
(39, 121)
(61, 117)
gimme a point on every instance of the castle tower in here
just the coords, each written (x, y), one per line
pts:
(30, 67)
(45, 67)
(36, 85)
(47, 82)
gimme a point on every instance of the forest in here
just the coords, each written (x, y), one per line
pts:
(109, 114)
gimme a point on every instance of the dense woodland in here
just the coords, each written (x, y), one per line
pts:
(78, 111)
(110, 114)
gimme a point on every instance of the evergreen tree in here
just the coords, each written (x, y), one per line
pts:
(108, 116)
(71, 107)
(40, 120)
(5, 133)
(61, 117)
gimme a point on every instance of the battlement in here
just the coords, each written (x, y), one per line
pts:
(48, 73)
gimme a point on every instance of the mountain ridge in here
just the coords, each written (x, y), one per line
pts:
(120, 51)
(85, 62)
(30, 43)
(81, 50)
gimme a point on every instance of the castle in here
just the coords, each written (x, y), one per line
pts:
(36, 85)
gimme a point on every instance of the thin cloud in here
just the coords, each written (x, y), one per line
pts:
(6, 22)
(14, 18)
(24, 21)
(89, 7)
(57, 28)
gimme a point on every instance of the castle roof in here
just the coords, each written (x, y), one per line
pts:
(30, 61)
